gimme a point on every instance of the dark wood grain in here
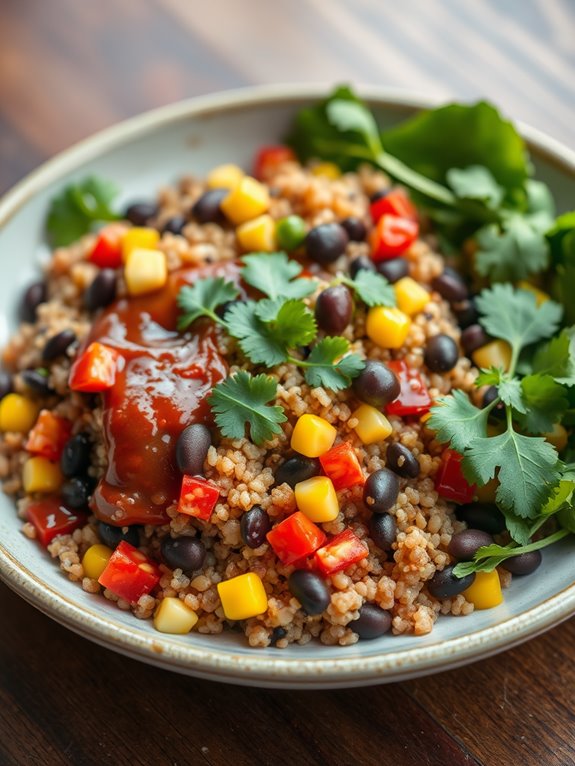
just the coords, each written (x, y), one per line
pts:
(68, 68)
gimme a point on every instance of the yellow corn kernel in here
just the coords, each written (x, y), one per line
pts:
(487, 493)
(557, 437)
(17, 413)
(145, 271)
(139, 237)
(316, 499)
(326, 170)
(312, 436)
(95, 560)
(485, 591)
(41, 475)
(258, 235)
(497, 353)
(245, 201)
(540, 296)
(411, 296)
(243, 596)
(387, 327)
(174, 616)
(224, 177)
(372, 425)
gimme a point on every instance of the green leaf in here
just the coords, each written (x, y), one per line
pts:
(372, 289)
(545, 402)
(457, 421)
(274, 274)
(243, 400)
(75, 210)
(518, 528)
(566, 517)
(561, 238)
(352, 116)
(563, 227)
(509, 389)
(475, 182)
(293, 325)
(562, 494)
(557, 358)
(202, 298)
(328, 367)
(256, 338)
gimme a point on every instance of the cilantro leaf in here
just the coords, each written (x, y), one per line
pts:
(457, 421)
(518, 528)
(274, 275)
(256, 339)
(475, 182)
(544, 403)
(557, 358)
(349, 115)
(566, 518)
(509, 390)
(292, 324)
(322, 369)
(561, 495)
(202, 298)
(75, 210)
(561, 238)
(243, 399)
(372, 289)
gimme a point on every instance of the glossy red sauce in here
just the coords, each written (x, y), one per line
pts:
(161, 387)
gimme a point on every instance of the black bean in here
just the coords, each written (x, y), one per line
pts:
(451, 286)
(466, 313)
(277, 635)
(174, 225)
(102, 290)
(254, 526)
(361, 263)
(333, 309)
(445, 584)
(326, 242)
(5, 383)
(186, 553)
(376, 384)
(393, 269)
(34, 295)
(192, 447)
(355, 228)
(382, 530)
(58, 345)
(207, 208)
(523, 563)
(37, 381)
(139, 213)
(75, 459)
(75, 492)
(296, 469)
(473, 337)
(373, 622)
(464, 545)
(310, 590)
(402, 461)
(111, 535)
(379, 194)
(487, 518)
(381, 490)
(489, 396)
(441, 353)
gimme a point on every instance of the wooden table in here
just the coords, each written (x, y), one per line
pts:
(68, 68)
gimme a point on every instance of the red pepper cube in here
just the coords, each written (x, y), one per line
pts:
(340, 463)
(450, 482)
(95, 369)
(107, 252)
(198, 497)
(50, 518)
(129, 574)
(413, 396)
(269, 158)
(392, 236)
(396, 203)
(49, 435)
(340, 552)
(295, 538)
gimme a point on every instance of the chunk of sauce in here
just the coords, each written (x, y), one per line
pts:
(161, 387)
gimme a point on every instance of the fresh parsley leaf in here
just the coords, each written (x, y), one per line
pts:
(328, 367)
(372, 289)
(557, 358)
(75, 210)
(255, 336)
(457, 421)
(561, 495)
(544, 403)
(202, 298)
(274, 274)
(476, 182)
(243, 399)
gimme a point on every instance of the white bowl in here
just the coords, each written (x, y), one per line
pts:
(141, 154)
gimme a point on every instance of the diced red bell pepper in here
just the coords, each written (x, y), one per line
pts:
(269, 158)
(107, 252)
(450, 482)
(295, 538)
(413, 397)
(49, 435)
(198, 497)
(340, 552)
(50, 519)
(129, 574)
(392, 236)
(95, 369)
(340, 463)
(395, 203)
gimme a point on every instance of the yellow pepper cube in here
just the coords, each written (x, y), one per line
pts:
(258, 235)
(557, 437)
(41, 475)
(243, 596)
(387, 327)
(312, 436)
(316, 499)
(488, 492)
(485, 591)
(540, 296)
(174, 616)
(247, 200)
(497, 353)
(95, 560)
(139, 237)
(411, 296)
(17, 413)
(372, 425)
(145, 271)
(224, 177)
(326, 170)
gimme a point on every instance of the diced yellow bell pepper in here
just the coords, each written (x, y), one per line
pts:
(243, 596)
(373, 426)
(326, 170)
(95, 560)
(139, 237)
(174, 616)
(496, 353)
(411, 296)
(485, 591)
(145, 271)
(557, 437)
(17, 413)
(41, 475)
(487, 493)
(258, 235)
(387, 327)
(224, 177)
(245, 201)
(316, 499)
(540, 296)
(312, 436)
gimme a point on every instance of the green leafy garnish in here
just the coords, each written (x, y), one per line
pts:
(476, 182)
(557, 358)
(561, 239)
(274, 274)
(202, 299)
(372, 289)
(457, 420)
(327, 366)
(75, 210)
(544, 403)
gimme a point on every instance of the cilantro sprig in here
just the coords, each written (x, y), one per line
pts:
(75, 210)
(372, 289)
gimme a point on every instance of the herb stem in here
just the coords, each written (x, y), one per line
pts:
(401, 172)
